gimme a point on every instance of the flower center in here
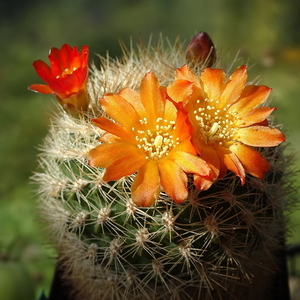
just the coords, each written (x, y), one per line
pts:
(156, 142)
(215, 125)
(66, 72)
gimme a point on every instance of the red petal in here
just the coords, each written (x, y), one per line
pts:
(84, 53)
(173, 180)
(253, 161)
(260, 136)
(66, 56)
(56, 68)
(82, 74)
(69, 83)
(146, 186)
(43, 70)
(40, 88)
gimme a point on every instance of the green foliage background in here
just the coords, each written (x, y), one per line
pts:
(267, 32)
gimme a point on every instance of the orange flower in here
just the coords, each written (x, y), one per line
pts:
(66, 77)
(150, 137)
(227, 120)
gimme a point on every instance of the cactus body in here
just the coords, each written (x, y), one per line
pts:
(218, 244)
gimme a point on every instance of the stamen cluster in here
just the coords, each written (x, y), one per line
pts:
(156, 144)
(215, 125)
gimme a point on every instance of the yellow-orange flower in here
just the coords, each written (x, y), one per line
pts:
(227, 120)
(150, 136)
(66, 77)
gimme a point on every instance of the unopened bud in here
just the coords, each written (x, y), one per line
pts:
(201, 50)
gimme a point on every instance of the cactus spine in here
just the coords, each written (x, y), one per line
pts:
(217, 244)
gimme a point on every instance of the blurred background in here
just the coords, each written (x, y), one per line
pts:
(267, 33)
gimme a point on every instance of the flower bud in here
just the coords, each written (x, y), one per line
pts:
(201, 50)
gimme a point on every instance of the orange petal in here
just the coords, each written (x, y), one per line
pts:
(252, 160)
(251, 97)
(170, 113)
(120, 110)
(183, 129)
(105, 154)
(209, 155)
(151, 96)
(190, 163)
(180, 91)
(213, 81)
(114, 128)
(233, 87)
(173, 180)
(231, 162)
(186, 146)
(260, 136)
(107, 137)
(256, 115)
(133, 97)
(126, 165)
(201, 183)
(185, 73)
(146, 186)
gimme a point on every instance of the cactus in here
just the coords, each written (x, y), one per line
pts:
(220, 242)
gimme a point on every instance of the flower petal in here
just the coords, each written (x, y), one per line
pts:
(170, 113)
(146, 186)
(260, 136)
(40, 88)
(115, 129)
(256, 115)
(231, 162)
(252, 160)
(105, 154)
(133, 97)
(173, 180)
(126, 165)
(66, 54)
(213, 81)
(251, 97)
(151, 96)
(185, 73)
(120, 110)
(43, 70)
(190, 163)
(180, 90)
(233, 87)
(183, 129)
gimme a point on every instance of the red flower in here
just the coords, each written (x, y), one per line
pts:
(66, 77)
(227, 120)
